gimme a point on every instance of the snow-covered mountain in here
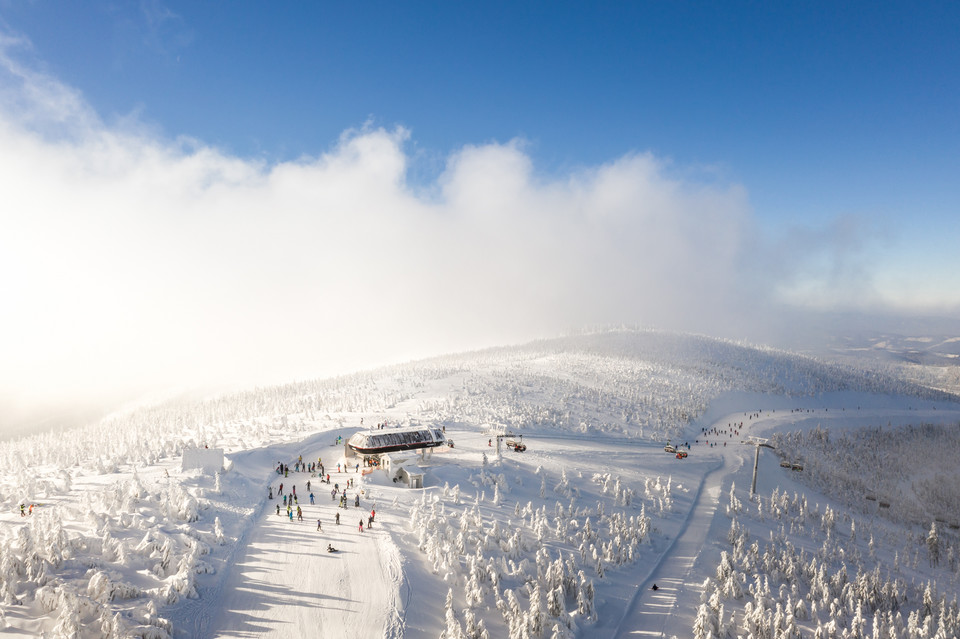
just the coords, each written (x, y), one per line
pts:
(565, 539)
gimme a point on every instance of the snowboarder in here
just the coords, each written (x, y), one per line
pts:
(330, 548)
(654, 587)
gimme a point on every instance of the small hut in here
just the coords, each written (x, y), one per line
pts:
(411, 475)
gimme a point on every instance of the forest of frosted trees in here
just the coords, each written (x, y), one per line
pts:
(103, 513)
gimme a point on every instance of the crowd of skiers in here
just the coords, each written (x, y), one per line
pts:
(290, 501)
(732, 430)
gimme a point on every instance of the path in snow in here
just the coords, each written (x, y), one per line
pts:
(670, 610)
(658, 613)
(285, 583)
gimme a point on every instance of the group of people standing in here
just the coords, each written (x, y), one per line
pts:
(291, 501)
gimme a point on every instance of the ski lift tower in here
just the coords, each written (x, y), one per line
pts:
(504, 434)
(498, 433)
(759, 442)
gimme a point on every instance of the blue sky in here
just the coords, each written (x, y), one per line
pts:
(855, 100)
(706, 159)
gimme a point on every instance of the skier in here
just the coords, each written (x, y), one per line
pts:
(338, 519)
(330, 548)
(22, 513)
(299, 514)
(271, 492)
(278, 508)
(370, 522)
(361, 525)
(654, 587)
(319, 527)
(356, 502)
(308, 485)
(311, 499)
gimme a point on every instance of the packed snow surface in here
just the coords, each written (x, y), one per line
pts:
(566, 539)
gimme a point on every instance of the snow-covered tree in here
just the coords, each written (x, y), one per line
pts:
(933, 546)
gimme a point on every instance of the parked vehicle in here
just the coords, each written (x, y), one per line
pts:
(670, 448)
(517, 447)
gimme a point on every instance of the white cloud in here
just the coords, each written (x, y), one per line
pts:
(132, 261)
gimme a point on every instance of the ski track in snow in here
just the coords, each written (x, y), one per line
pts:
(279, 580)
(283, 582)
(652, 613)
(679, 573)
